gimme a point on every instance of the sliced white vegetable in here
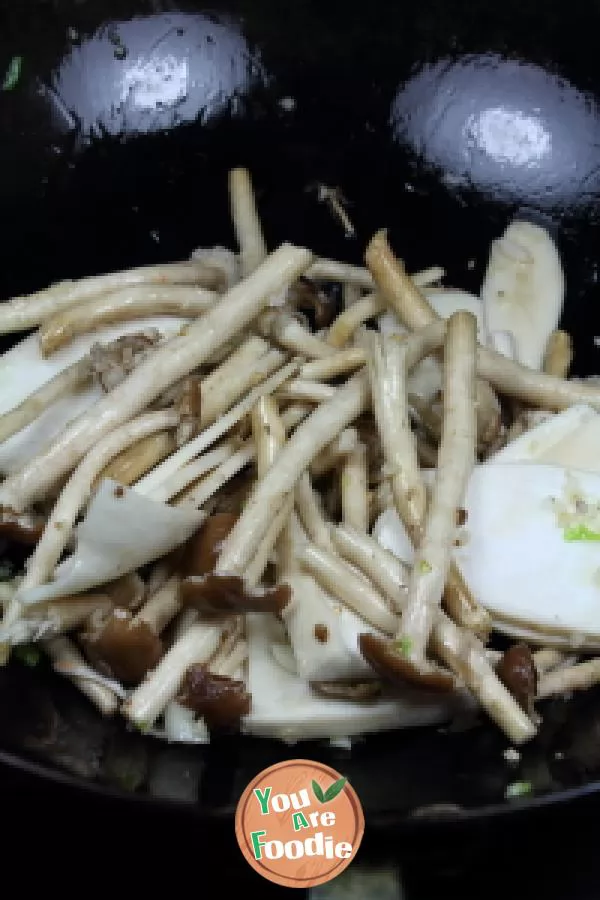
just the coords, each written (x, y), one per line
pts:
(183, 727)
(570, 438)
(323, 635)
(23, 370)
(523, 290)
(518, 560)
(121, 531)
(284, 707)
(426, 378)
(390, 533)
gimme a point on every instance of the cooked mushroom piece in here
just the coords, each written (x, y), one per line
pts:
(22, 528)
(221, 594)
(122, 649)
(169, 363)
(220, 700)
(517, 671)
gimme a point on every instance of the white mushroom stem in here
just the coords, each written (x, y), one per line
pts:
(294, 414)
(246, 222)
(133, 463)
(338, 579)
(167, 365)
(22, 313)
(466, 659)
(330, 270)
(310, 513)
(384, 569)
(355, 500)
(193, 471)
(67, 659)
(212, 434)
(414, 311)
(547, 659)
(124, 305)
(269, 495)
(579, 677)
(209, 486)
(342, 363)
(66, 382)
(300, 389)
(281, 326)
(559, 354)
(78, 490)
(335, 453)
(245, 368)
(352, 293)
(160, 686)
(269, 436)
(61, 616)
(391, 358)
(456, 458)
(162, 607)
(348, 321)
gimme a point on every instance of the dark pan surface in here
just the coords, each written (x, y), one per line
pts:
(439, 120)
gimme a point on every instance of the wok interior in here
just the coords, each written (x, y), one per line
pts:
(79, 228)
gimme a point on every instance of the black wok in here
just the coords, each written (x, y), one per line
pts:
(439, 120)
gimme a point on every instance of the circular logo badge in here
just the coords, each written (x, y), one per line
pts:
(299, 823)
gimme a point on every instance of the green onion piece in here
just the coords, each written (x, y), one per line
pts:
(518, 789)
(13, 73)
(581, 533)
(404, 646)
(424, 567)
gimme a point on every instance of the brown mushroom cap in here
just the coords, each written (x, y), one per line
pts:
(121, 649)
(202, 549)
(26, 528)
(305, 294)
(230, 594)
(391, 664)
(517, 671)
(221, 701)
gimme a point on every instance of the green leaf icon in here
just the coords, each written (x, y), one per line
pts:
(334, 789)
(318, 792)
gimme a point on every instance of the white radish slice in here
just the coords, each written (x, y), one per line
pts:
(122, 530)
(23, 370)
(389, 531)
(426, 378)
(523, 289)
(323, 634)
(285, 707)
(570, 438)
(523, 559)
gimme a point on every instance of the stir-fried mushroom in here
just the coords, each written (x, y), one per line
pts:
(112, 363)
(177, 358)
(246, 222)
(23, 528)
(202, 550)
(220, 700)
(22, 313)
(188, 406)
(559, 354)
(517, 671)
(579, 677)
(456, 458)
(389, 660)
(230, 593)
(121, 648)
(414, 311)
(306, 295)
(122, 306)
